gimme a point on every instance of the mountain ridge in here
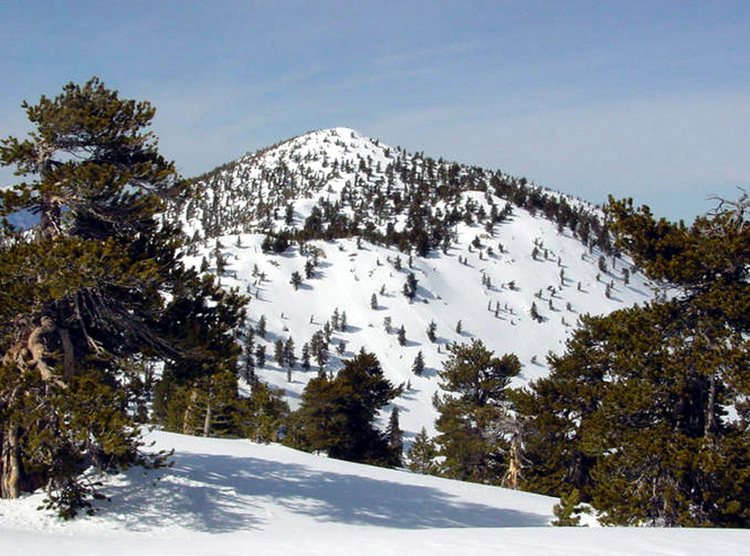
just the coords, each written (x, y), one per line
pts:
(360, 171)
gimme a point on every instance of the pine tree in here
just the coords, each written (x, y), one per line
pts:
(395, 438)
(418, 366)
(635, 413)
(422, 454)
(476, 400)
(260, 356)
(97, 290)
(337, 415)
(278, 353)
(265, 414)
(295, 280)
(402, 336)
(289, 214)
(432, 331)
(207, 407)
(221, 265)
(319, 349)
(248, 365)
(343, 324)
(306, 357)
(309, 269)
(374, 302)
(534, 312)
(290, 359)
(568, 510)
(410, 286)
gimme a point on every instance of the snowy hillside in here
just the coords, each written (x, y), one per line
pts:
(235, 497)
(487, 274)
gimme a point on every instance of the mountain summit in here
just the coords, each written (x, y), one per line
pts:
(335, 235)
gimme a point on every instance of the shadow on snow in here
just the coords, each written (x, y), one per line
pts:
(221, 493)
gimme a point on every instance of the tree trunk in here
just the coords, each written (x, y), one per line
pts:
(711, 424)
(12, 480)
(28, 355)
(36, 347)
(207, 421)
(187, 417)
(68, 355)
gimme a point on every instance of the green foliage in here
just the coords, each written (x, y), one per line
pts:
(646, 412)
(261, 327)
(568, 510)
(422, 454)
(395, 437)
(95, 296)
(337, 415)
(470, 412)
(275, 243)
(96, 178)
(319, 349)
(309, 269)
(264, 414)
(211, 406)
(296, 280)
(428, 200)
(534, 312)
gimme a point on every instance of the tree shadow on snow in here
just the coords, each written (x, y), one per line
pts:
(220, 493)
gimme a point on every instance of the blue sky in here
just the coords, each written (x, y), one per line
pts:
(638, 98)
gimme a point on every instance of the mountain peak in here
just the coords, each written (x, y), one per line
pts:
(331, 225)
(340, 131)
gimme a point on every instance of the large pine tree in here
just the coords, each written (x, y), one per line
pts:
(646, 413)
(94, 293)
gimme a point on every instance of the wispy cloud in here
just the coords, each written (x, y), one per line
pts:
(434, 54)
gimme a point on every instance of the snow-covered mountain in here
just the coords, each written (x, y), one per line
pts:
(484, 249)
(495, 258)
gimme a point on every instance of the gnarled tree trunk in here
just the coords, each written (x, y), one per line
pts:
(13, 478)
(28, 356)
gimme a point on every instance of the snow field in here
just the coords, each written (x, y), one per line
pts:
(228, 497)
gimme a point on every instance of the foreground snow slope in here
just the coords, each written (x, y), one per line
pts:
(235, 497)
